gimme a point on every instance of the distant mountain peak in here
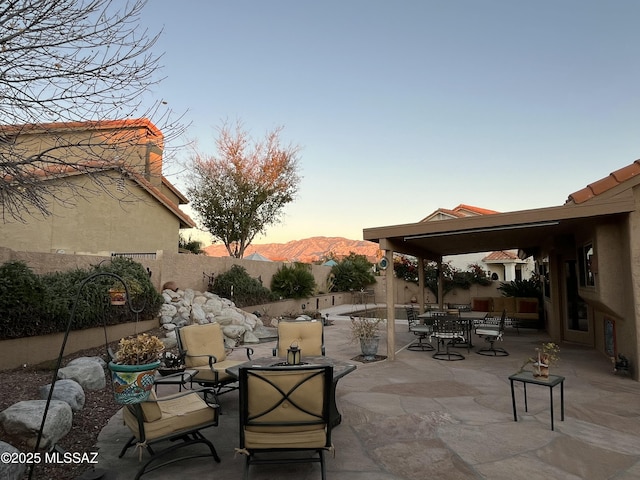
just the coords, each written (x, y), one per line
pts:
(307, 250)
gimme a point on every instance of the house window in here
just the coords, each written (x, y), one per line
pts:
(587, 266)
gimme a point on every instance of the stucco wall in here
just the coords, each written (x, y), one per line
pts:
(99, 224)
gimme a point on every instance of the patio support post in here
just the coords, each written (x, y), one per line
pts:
(440, 286)
(421, 284)
(391, 317)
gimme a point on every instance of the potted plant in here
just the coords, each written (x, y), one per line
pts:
(547, 355)
(171, 363)
(365, 331)
(118, 293)
(134, 366)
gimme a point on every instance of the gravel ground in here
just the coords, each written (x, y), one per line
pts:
(23, 384)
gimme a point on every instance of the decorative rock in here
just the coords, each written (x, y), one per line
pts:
(198, 315)
(90, 375)
(168, 310)
(249, 337)
(170, 340)
(11, 471)
(169, 326)
(68, 391)
(83, 360)
(22, 421)
(233, 332)
(188, 296)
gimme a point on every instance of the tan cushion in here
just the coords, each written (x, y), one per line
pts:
(307, 335)
(150, 410)
(305, 404)
(527, 305)
(180, 413)
(202, 340)
(205, 373)
(481, 304)
(504, 303)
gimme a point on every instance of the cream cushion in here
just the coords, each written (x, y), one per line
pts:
(307, 335)
(305, 404)
(200, 341)
(180, 413)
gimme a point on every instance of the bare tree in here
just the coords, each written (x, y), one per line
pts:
(64, 62)
(243, 189)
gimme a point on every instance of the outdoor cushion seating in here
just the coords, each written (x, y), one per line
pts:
(492, 331)
(520, 310)
(307, 335)
(285, 409)
(448, 330)
(204, 350)
(175, 420)
(422, 330)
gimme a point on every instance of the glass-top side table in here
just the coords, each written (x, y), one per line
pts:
(550, 381)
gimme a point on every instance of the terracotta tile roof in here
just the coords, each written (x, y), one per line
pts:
(460, 211)
(604, 184)
(500, 255)
(89, 125)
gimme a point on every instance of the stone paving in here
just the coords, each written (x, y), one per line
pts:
(417, 417)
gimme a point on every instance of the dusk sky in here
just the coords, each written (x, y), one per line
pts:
(404, 107)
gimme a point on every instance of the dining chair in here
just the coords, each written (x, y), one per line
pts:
(448, 330)
(284, 410)
(173, 421)
(308, 335)
(492, 332)
(422, 329)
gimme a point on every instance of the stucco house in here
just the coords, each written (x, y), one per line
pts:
(501, 265)
(125, 205)
(587, 252)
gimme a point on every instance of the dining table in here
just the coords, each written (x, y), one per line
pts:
(340, 369)
(466, 322)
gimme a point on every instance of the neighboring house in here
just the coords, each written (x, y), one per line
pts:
(127, 206)
(587, 253)
(502, 265)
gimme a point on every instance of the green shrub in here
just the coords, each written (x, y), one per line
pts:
(522, 288)
(295, 281)
(242, 289)
(39, 305)
(354, 272)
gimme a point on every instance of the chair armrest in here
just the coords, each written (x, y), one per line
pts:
(207, 392)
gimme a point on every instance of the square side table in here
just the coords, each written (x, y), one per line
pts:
(551, 381)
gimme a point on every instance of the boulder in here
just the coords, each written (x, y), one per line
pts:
(83, 360)
(22, 421)
(66, 390)
(90, 375)
(11, 471)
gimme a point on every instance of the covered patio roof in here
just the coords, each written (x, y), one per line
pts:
(526, 230)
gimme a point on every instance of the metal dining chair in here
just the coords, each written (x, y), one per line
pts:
(448, 330)
(422, 330)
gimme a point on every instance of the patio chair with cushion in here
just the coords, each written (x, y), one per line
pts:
(307, 335)
(422, 330)
(175, 421)
(284, 415)
(448, 330)
(492, 331)
(204, 350)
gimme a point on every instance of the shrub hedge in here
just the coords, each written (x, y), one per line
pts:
(33, 304)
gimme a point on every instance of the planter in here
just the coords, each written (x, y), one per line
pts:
(369, 347)
(540, 370)
(132, 383)
(118, 296)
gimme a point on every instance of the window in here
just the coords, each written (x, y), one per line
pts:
(587, 266)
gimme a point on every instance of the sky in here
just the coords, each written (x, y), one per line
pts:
(403, 107)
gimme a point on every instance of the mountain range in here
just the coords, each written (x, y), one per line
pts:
(307, 250)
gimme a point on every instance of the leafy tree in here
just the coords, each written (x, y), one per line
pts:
(242, 189)
(295, 281)
(69, 61)
(406, 268)
(353, 272)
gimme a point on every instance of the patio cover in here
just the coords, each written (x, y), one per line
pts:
(526, 230)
